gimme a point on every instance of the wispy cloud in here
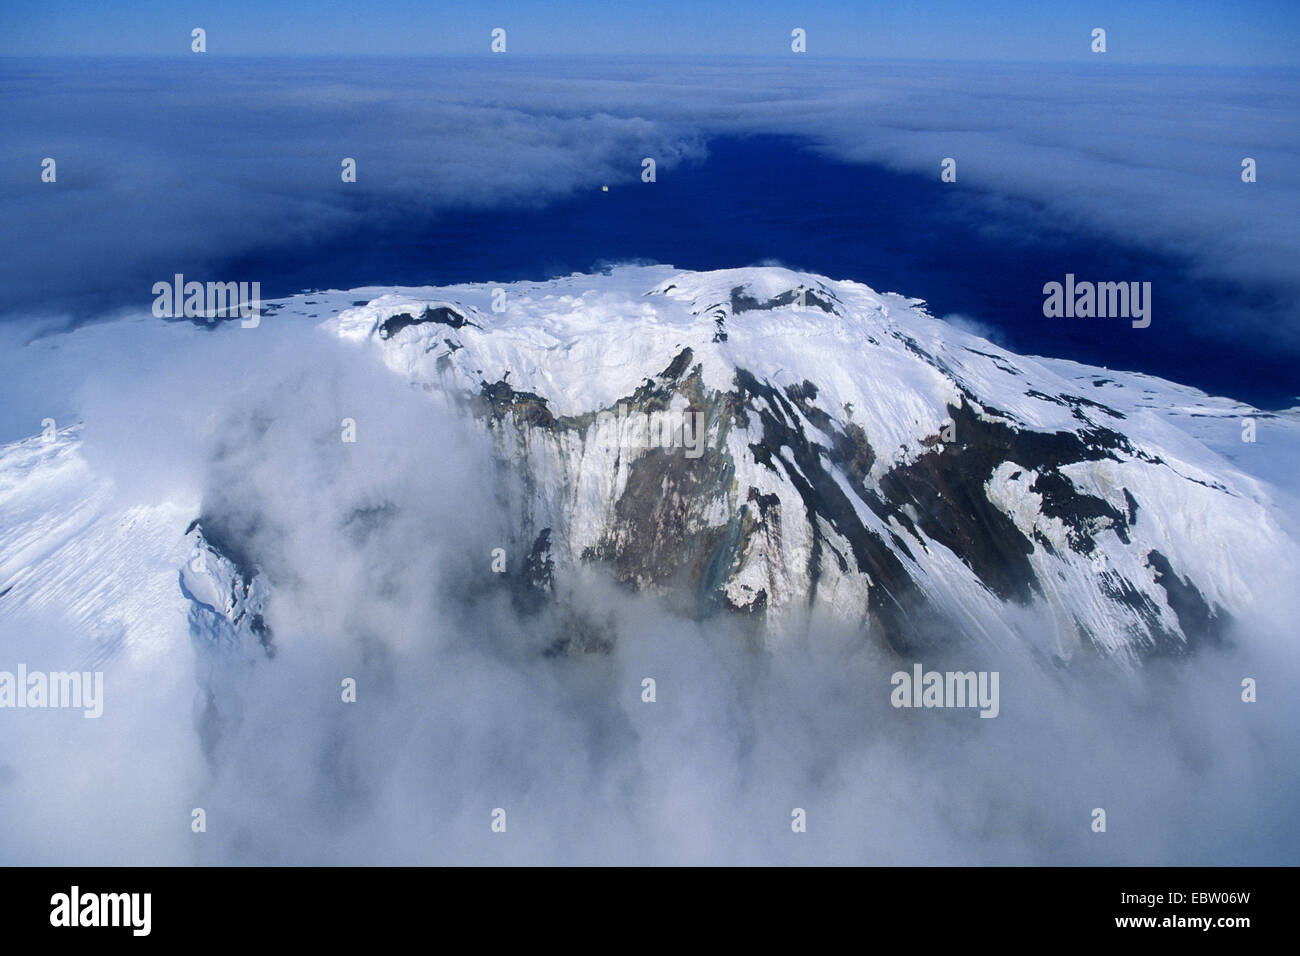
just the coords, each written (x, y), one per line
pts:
(458, 713)
(172, 165)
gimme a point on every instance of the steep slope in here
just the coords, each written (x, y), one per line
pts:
(752, 441)
(70, 547)
(861, 459)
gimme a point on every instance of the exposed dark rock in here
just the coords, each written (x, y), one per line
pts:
(660, 535)
(1132, 505)
(1201, 624)
(893, 593)
(1076, 404)
(536, 581)
(946, 489)
(442, 315)
(528, 408)
(742, 301)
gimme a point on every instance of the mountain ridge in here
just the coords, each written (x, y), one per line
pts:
(827, 478)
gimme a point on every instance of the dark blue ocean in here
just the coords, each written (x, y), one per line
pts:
(775, 199)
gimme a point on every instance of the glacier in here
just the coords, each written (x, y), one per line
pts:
(878, 490)
(863, 458)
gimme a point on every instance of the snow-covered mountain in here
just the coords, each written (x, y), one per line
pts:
(856, 458)
(863, 459)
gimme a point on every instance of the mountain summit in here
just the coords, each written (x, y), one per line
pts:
(762, 441)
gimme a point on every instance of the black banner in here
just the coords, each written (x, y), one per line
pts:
(332, 906)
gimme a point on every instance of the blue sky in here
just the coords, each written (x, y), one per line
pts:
(1138, 31)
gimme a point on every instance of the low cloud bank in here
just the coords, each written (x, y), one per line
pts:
(178, 165)
(379, 556)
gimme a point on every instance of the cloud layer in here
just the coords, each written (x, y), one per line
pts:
(459, 712)
(173, 166)
(178, 165)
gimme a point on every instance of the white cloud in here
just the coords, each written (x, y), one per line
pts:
(1143, 157)
(459, 713)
